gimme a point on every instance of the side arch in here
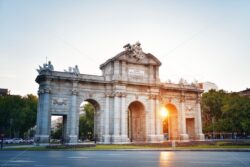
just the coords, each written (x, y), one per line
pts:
(136, 121)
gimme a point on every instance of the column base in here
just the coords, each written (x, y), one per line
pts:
(106, 139)
(184, 137)
(200, 136)
(116, 139)
(42, 140)
(152, 138)
(71, 140)
(160, 138)
(125, 139)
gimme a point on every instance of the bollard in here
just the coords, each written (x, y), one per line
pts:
(173, 144)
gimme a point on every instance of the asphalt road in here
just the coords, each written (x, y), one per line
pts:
(124, 158)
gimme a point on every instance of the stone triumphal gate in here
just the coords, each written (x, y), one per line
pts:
(127, 99)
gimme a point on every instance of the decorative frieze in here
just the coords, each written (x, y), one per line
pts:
(59, 101)
(189, 108)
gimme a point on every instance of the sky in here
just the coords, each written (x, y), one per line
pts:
(206, 40)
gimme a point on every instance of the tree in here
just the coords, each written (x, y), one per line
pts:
(18, 114)
(211, 109)
(86, 122)
(57, 133)
(230, 111)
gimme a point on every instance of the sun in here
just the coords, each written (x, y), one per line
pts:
(164, 112)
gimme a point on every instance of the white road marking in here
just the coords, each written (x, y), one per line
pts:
(106, 160)
(11, 165)
(78, 157)
(20, 161)
(116, 154)
(41, 165)
(202, 162)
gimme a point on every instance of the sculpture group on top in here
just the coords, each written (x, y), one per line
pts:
(49, 67)
(46, 67)
(134, 50)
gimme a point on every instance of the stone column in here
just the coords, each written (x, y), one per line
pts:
(73, 134)
(159, 131)
(183, 135)
(200, 135)
(124, 119)
(116, 135)
(106, 127)
(101, 139)
(124, 72)
(151, 74)
(43, 116)
(152, 127)
(116, 75)
(38, 115)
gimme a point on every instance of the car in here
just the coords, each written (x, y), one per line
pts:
(18, 140)
(8, 141)
(29, 141)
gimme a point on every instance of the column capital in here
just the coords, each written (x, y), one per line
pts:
(74, 92)
(108, 94)
(182, 98)
(198, 100)
(43, 91)
(119, 94)
(152, 97)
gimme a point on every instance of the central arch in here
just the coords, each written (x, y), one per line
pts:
(136, 122)
(94, 129)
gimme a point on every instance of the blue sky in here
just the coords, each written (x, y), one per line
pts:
(196, 40)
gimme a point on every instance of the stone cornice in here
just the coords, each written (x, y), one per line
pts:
(82, 78)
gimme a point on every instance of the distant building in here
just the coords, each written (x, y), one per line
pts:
(245, 92)
(206, 86)
(4, 92)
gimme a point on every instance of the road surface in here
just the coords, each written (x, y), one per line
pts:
(124, 158)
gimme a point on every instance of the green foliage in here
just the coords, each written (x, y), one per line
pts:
(57, 134)
(18, 114)
(86, 122)
(225, 112)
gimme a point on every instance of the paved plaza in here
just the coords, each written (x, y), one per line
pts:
(124, 158)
